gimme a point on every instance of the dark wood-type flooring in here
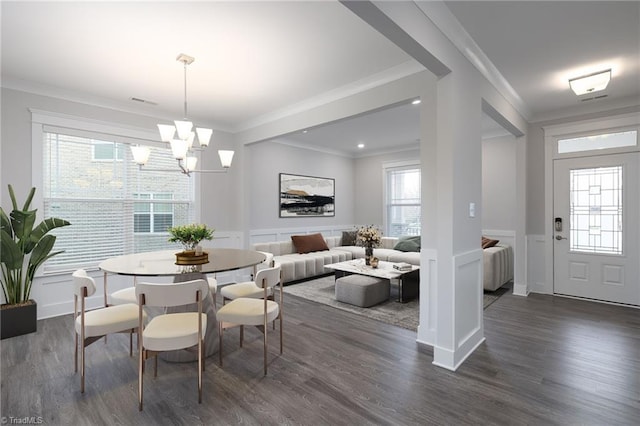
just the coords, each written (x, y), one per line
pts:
(546, 360)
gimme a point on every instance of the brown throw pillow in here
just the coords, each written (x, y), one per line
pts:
(488, 242)
(309, 243)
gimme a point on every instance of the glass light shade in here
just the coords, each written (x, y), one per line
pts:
(140, 154)
(179, 148)
(204, 136)
(190, 139)
(225, 158)
(183, 128)
(167, 131)
(590, 83)
(190, 163)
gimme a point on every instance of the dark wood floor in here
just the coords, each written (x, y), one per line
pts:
(547, 360)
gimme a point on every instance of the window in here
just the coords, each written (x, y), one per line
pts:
(602, 141)
(152, 216)
(403, 200)
(106, 151)
(596, 210)
(114, 207)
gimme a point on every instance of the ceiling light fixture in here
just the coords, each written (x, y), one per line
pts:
(182, 147)
(360, 145)
(590, 83)
(415, 102)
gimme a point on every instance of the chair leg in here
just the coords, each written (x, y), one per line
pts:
(200, 368)
(220, 331)
(130, 343)
(280, 332)
(82, 369)
(265, 350)
(140, 376)
(241, 335)
(75, 353)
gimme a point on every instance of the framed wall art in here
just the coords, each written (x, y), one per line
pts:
(306, 196)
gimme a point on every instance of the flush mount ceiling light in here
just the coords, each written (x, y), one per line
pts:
(590, 83)
(182, 147)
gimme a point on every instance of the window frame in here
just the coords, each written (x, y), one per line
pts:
(43, 121)
(387, 168)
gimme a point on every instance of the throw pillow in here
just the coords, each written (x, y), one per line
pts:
(309, 243)
(349, 238)
(488, 242)
(411, 243)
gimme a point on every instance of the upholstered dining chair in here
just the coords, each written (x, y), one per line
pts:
(90, 326)
(250, 311)
(171, 331)
(248, 288)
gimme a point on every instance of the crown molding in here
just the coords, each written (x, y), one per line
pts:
(150, 111)
(441, 16)
(391, 74)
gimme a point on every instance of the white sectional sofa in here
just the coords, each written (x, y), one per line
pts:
(497, 260)
(297, 266)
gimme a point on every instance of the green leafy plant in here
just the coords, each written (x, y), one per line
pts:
(190, 235)
(24, 247)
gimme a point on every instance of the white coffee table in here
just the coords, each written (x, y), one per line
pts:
(408, 281)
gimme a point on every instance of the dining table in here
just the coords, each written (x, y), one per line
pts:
(163, 264)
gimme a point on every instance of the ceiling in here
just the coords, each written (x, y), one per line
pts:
(254, 60)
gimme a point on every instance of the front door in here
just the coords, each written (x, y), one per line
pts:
(596, 230)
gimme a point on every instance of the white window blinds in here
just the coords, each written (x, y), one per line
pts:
(93, 183)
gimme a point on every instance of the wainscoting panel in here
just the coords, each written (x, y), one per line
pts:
(428, 285)
(536, 267)
(284, 234)
(465, 317)
(54, 292)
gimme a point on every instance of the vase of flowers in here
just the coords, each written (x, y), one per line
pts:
(369, 237)
(190, 236)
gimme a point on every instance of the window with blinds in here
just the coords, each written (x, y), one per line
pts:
(114, 207)
(403, 201)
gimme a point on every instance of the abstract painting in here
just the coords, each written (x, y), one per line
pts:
(306, 196)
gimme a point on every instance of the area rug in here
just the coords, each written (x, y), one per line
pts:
(405, 315)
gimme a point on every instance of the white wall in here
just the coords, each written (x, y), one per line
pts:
(499, 183)
(266, 160)
(369, 181)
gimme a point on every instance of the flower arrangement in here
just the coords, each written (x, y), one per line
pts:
(190, 235)
(369, 236)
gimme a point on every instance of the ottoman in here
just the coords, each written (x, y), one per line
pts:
(361, 290)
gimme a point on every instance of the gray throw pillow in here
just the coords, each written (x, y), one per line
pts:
(349, 238)
(407, 244)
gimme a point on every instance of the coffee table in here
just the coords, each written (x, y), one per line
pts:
(408, 281)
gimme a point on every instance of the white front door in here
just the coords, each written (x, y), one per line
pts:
(596, 231)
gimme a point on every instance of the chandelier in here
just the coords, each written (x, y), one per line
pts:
(182, 146)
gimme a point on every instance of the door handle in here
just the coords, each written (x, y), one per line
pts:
(560, 237)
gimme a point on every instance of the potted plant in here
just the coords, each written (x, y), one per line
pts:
(190, 236)
(23, 249)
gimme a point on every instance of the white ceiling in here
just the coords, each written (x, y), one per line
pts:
(256, 59)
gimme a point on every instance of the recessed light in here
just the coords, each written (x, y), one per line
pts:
(360, 145)
(415, 102)
(305, 131)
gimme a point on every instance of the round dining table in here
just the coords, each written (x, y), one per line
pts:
(163, 264)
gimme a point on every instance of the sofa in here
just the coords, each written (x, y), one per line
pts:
(298, 266)
(497, 260)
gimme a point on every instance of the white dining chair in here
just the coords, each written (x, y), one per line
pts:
(248, 288)
(171, 331)
(90, 326)
(250, 311)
